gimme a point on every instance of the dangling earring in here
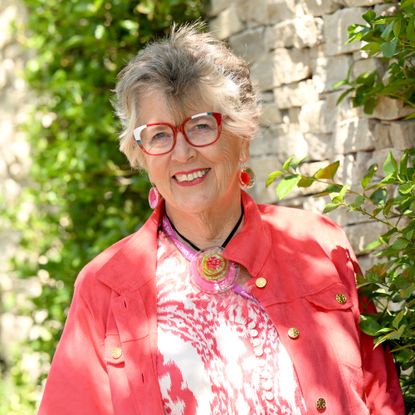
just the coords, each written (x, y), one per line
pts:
(246, 177)
(154, 197)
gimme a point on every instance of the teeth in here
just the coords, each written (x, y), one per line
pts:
(191, 176)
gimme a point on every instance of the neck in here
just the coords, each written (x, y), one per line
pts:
(208, 228)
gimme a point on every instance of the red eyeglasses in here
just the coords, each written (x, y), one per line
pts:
(199, 130)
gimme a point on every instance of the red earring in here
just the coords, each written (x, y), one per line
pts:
(153, 197)
(246, 177)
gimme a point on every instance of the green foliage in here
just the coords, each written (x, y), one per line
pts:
(391, 38)
(387, 198)
(83, 195)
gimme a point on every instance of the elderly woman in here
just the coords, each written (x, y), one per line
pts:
(216, 305)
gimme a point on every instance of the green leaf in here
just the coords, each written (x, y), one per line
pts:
(394, 335)
(390, 166)
(286, 185)
(358, 202)
(389, 48)
(397, 320)
(373, 245)
(369, 175)
(305, 181)
(327, 172)
(330, 207)
(272, 177)
(387, 32)
(369, 324)
(403, 166)
(287, 163)
(369, 16)
(397, 27)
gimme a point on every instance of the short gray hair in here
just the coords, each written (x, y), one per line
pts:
(184, 65)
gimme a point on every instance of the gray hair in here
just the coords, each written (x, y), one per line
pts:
(185, 66)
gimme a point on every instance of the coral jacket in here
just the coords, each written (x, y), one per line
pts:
(105, 362)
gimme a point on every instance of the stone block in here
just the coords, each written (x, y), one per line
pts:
(290, 65)
(279, 10)
(390, 109)
(319, 146)
(367, 65)
(270, 114)
(283, 66)
(299, 32)
(329, 70)
(318, 118)
(358, 3)
(335, 30)
(402, 134)
(292, 143)
(262, 72)
(263, 166)
(217, 6)
(265, 142)
(362, 234)
(296, 94)
(249, 44)
(320, 7)
(253, 13)
(226, 23)
(354, 134)
(266, 97)
(381, 134)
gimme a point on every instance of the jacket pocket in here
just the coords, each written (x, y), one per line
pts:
(333, 316)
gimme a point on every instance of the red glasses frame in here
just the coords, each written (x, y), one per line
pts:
(176, 130)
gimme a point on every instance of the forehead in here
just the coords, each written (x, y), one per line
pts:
(155, 106)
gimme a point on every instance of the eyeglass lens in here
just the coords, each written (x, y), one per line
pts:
(201, 130)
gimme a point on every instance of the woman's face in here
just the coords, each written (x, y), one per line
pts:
(193, 180)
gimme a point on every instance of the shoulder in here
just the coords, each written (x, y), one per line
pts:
(299, 222)
(91, 270)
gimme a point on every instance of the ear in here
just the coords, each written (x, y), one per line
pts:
(244, 150)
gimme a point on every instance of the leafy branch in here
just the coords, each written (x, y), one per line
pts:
(385, 196)
(391, 38)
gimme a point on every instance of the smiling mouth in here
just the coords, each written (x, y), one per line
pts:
(182, 178)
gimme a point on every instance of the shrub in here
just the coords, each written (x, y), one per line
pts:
(389, 199)
(83, 196)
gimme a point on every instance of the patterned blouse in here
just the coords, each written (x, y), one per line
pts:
(217, 353)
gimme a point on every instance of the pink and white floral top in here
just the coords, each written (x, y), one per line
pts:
(217, 353)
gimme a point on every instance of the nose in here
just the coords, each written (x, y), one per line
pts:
(182, 151)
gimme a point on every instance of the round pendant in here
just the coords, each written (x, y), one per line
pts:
(211, 272)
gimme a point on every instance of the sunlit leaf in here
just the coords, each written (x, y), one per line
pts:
(390, 166)
(286, 185)
(327, 172)
(272, 177)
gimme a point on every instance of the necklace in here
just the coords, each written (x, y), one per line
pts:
(211, 272)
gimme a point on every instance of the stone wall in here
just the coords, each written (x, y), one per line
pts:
(297, 50)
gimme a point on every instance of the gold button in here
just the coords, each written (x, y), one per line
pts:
(261, 282)
(293, 333)
(321, 404)
(341, 298)
(116, 352)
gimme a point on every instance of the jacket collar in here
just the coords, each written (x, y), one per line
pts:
(134, 264)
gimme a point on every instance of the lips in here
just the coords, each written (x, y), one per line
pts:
(186, 177)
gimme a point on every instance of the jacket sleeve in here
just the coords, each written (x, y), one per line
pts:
(78, 383)
(381, 384)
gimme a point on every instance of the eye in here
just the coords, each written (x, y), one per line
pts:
(201, 125)
(160, 137)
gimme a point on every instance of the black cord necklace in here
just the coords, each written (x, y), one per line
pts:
(230, 236)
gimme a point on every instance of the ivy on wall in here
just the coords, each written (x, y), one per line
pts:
(83, 195)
